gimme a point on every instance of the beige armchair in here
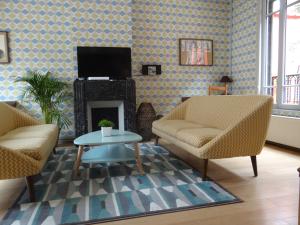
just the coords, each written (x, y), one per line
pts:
(214, 127)
(25, 145)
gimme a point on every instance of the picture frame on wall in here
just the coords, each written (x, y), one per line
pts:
(4, 54)
(195, 52)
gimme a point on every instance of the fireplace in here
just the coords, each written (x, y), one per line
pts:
(94, 99)
(111, 110)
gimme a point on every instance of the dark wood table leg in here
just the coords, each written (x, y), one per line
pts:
(30, 188)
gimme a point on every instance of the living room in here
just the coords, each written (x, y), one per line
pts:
(203, 98)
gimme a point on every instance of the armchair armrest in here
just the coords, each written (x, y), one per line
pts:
(22, 119)
(244, 138)
(14, 164)
(178, 113)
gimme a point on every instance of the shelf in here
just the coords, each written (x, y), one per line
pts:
(108, 153)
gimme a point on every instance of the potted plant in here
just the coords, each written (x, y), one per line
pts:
(106, 127)
(50, 93)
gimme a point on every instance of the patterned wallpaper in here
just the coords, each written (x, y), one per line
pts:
(157, 26)
(244, 47)
(44, 35)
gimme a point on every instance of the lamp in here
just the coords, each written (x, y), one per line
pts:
(225, 80)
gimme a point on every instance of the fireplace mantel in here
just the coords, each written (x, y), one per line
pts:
(103, 90)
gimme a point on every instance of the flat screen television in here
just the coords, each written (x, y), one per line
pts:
(112, 62)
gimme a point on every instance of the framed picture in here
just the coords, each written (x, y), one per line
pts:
(195, 52)
(4, 56)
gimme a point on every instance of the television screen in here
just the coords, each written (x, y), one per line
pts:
(112, 62)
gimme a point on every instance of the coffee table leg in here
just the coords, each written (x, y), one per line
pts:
(78, 159)
(138, 158)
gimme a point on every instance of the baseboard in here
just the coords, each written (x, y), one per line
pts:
(283, 146)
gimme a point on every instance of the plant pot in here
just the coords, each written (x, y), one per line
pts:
(106, 131)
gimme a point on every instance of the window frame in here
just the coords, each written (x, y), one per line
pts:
(281, 49)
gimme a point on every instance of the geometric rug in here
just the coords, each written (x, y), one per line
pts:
(106, 192)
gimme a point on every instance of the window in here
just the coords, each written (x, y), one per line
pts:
(281, 52)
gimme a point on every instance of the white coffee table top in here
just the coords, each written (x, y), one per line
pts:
(95, 138)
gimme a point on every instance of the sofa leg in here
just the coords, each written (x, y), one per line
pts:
(156, 140)
(254, 165)
(30, 189)
(205, 165)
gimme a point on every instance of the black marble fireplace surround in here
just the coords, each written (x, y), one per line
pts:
(103, 90)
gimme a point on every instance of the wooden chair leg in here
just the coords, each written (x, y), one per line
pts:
(29, 182)
(205, 165)
(254, 165)
(156, 140)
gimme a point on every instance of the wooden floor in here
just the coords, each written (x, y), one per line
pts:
(269, 199)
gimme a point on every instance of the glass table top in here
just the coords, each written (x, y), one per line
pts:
(95, 138)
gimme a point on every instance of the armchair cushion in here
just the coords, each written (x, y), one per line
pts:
(37, 131)
(33, 141)
(197, 137)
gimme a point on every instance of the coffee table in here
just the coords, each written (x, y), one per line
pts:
(108, 149)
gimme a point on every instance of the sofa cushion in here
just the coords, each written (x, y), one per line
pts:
(37, 131)
(171, 127)
(197, 137)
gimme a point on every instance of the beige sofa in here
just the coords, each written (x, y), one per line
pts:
(214, 127)
(25, 145)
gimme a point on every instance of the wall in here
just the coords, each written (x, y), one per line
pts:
(44, 35)
(244, 47)
(245, 67)
(284, 130)
(157, 26)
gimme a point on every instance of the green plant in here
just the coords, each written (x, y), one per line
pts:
(50, 93)
(105, 123)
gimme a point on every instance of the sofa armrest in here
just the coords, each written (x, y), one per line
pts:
(178, 113)
(244, 138)
(22, 119)
(14, 164)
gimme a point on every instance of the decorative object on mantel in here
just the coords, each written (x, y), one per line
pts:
(145, 116)
(151, 70)
(195, 52)
(223, 89)
(106, 127)
(4, 53)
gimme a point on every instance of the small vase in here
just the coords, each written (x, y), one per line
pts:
(106, 131)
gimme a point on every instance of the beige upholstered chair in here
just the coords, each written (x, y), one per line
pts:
(25, 145)
(214, 127)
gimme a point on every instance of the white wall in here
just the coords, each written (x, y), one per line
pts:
(284, 130)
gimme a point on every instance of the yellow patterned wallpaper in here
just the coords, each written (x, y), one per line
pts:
(157, 26)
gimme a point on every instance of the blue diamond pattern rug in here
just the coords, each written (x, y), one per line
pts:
(106, 192)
